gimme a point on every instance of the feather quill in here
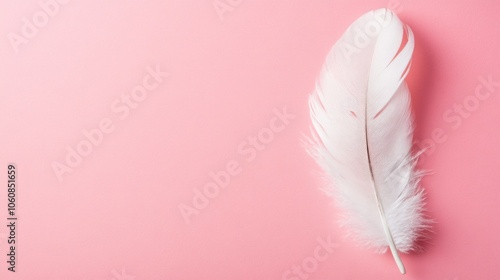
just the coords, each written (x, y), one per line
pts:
(362, 134)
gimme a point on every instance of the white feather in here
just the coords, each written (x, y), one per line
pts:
(362, 129)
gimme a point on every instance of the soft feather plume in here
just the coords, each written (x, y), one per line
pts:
(362, 129)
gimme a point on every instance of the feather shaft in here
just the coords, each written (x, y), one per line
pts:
(387, 231)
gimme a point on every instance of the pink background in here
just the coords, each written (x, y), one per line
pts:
(116, 215)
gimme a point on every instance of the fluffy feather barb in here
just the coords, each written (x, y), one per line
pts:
(362, 129)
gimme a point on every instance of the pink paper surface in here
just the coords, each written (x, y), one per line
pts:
(90, 77)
